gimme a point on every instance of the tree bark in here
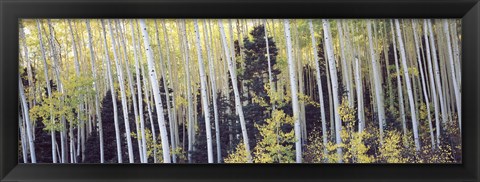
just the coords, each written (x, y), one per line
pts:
(409, 87)
(214, 89)
(114, 97)
(123, 94)
(238, 104)
(320, 89)
(95, 88)
(26, 115)
(377, 83)
(294, 92)
(432, 81)
(156, 93)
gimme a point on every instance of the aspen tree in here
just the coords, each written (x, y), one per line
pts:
(377, 83)
(156, 93)
(238, 103)
(399, 82)
(28, 123)
(213, 88)
(409, 86)
(114, 97)
(139, 95)
(334, 81)
(424, 87)
(167, 94)
(319, 83)
(129, 81)
(203, 88)
(432, 82)
(294, 92)
(456, 88)
(122, 93)
(95, 88)
(49, 89)
(437, 73)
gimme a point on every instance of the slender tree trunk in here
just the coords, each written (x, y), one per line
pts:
(424, 86)
(377, 83)
(270, 77)
(203, 88)
(432, 81)
(23, 139)
(156, 93)
(77, 73)
(146, 89)
(26, 115)
(214, 89)
(123, 94)
(409, 87)
(170, 75)
(294, 92)
(139, 95)
(167, 95)
(358, 82)
(320, 89)
(49, 89)
(238, 104)
(130, 86)
(343, 56)
(95, 88)
(334, 81)
(456, 88)
(437, 73)
(114, 97)
(399, 84)
(191, 122)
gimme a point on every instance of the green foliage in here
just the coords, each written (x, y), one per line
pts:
(238, 156)
(64, 104)
(276, 145)
(391, 150)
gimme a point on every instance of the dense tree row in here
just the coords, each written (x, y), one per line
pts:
(240, 91)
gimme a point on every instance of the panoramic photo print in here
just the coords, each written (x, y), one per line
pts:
(240, 91)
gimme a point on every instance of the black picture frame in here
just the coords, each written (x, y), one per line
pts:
(13, 10)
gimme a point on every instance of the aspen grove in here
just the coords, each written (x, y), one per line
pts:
(240, 91)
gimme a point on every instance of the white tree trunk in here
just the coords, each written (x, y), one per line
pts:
(122, 93)
(95, 88)
(377, 83)
(114, 97)
(409, 87)
(343, 56)
(23, 138)
(456, 88)
(424, 86)
(270, 77)
(167, 95)
(294, 92)
(437, 73)
(432, 82)
(399, 83)
(203, 88)
(191, 119)
(139, 95)
(49, 89)
(320, 89)
(156, 93)
(170, 75)
(214, 89)
(238, 103)
(359, 85)
(26, 115)
(130, 86)
(333, 76)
